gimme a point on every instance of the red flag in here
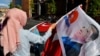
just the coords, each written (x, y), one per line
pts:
(43, 27)
(52, 47)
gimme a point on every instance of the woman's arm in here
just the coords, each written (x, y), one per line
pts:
(40, 39)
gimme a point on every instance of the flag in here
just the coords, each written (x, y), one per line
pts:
(52, 46)
(73, 30)
(76, 29)
(44, 26)
(41, 27)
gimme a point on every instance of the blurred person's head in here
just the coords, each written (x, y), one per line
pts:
(17, 15)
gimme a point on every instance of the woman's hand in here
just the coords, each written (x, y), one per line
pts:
(52, 26)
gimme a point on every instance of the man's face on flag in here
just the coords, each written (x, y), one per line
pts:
(81, 34)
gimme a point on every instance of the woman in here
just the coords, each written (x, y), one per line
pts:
(16, 40)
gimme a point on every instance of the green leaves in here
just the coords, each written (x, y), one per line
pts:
(11, 5)
(94, 8)
(51, 7)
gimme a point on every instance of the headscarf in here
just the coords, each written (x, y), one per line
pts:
(16, 20)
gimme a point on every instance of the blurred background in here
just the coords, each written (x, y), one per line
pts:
(50, 11)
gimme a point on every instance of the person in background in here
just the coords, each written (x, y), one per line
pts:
(16, 40)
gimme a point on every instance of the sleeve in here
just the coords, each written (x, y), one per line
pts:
(34, 38)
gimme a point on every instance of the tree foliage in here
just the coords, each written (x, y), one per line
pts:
(94, 8)
(32, 6)
(51, 7)
(11, 5)
(18, 6)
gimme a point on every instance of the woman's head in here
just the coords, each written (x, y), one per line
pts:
(18, 15)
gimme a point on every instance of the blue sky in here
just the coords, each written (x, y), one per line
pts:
(6, 2)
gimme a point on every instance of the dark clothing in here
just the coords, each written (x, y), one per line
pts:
(71, 48)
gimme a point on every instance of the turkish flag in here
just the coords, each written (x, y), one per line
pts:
(52, 46)
(43, 27)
